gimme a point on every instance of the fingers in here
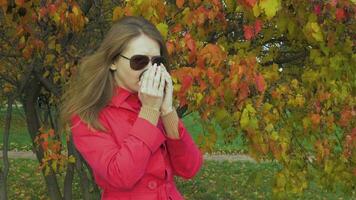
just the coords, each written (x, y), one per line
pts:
(145, 79)
(157, 79)
(151, 73)
(167, 77)
(162, 83)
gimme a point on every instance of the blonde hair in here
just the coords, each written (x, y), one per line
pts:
(91, 88)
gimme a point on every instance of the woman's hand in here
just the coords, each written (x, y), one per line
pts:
(167, 104)
(152, 87)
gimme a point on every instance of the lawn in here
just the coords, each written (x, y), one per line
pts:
(215, 181)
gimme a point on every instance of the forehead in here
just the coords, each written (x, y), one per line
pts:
(143, 45)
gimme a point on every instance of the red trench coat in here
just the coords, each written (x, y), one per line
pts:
(134, 160)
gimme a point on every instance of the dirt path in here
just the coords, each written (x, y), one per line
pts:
(215, 157)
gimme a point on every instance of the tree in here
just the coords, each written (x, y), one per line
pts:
(278, 72)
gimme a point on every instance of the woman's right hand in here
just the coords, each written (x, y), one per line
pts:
(152, 87)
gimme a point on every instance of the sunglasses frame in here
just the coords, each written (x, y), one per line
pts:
(150, 59)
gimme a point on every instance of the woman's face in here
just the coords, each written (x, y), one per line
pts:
(125, 76)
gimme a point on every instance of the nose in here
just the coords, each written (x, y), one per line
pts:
(139, 78)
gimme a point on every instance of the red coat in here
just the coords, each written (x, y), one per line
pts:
(134, 159)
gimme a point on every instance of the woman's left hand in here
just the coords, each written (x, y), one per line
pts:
(167, 104)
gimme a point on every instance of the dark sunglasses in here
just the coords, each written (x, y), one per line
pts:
(138, 62)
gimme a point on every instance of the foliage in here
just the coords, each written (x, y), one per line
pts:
(278, 72)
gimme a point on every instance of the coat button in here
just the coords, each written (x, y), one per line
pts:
(152, 184)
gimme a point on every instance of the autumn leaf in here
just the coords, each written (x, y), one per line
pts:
(258, 26)
(260, 83)
(179, 3)
(251, 3)
(248, 32)
(190, 42)
(163, 29)
(270, 7)
(340, 14)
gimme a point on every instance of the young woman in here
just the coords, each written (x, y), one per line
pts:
(123, 123)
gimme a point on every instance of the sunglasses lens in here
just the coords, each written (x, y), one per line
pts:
(138, 62)
(158, 60)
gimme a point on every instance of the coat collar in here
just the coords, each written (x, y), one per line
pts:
(126, 99)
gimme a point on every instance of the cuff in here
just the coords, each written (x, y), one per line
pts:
(148, 133)
(171, 121)
(177, 147)
(150, 114)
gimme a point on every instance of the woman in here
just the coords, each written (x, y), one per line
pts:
(122, 120)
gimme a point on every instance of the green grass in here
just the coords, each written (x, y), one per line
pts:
(215, 181)
(20, 140)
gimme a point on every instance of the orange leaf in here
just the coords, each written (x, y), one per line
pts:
(250, 3)
(19, 2)
(315, 119)
(340, 14)
(179, 3)
(189, 41)
(260, 83)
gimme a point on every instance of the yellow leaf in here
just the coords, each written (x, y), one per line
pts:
(177, 87)
(256, 10)
(54, 165)
(49, 58)
(71, 159)
(46, 74)
(46, 170)
(274, 135)
(269, 128)
(117, 13)
(58, 48)
(199, 97)
(56, 18)
(163, 29)
(270, 7)
(75, 10)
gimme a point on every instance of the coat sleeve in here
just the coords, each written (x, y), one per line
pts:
(121, 165)
(185, 156)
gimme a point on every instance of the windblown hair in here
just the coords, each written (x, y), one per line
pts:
(91, 88)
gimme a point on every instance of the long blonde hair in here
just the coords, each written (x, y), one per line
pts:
(91, 88)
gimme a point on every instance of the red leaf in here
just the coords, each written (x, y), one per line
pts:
(260, 83)
(179, 3)
(52, 8)
(248, 32)
(258, 26)
(340, 14)
(43, 11)
(317, 9)
(187, 82)
(250, 3)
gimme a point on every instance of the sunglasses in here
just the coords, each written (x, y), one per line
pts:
(138, 62)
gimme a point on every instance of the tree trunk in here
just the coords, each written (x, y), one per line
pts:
(30, 102)
(4, 172)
